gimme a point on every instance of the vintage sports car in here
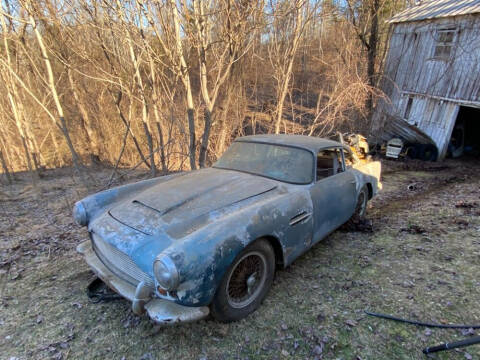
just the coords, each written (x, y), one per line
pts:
(209, 241)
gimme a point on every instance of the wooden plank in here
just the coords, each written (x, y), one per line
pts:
(475, 104)
(451, 118)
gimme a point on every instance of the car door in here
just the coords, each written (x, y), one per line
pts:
(333, 193)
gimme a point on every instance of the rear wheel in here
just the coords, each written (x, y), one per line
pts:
(246, 283)
(361, 206)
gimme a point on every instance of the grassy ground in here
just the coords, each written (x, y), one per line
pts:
(421, 261)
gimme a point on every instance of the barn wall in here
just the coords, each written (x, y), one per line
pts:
(436, 87)
(435, 118)
(412, 67)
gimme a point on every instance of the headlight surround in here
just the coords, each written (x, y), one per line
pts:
(80, 214)
(166, 273)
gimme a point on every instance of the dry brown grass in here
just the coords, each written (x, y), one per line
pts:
(421, 262)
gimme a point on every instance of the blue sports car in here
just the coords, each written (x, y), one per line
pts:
(183, 246)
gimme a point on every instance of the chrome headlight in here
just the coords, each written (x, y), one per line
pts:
(166, 273)
(80, 214)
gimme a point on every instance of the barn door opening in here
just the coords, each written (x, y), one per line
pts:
(465, 139)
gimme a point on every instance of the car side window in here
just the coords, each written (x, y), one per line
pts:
(329, 163)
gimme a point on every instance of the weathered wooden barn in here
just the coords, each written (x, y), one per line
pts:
(432, 75)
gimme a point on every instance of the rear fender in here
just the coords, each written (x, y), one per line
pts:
(371, 172)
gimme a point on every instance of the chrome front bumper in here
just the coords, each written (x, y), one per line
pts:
(159, 310)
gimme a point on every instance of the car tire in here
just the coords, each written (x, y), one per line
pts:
(361, 204)
(428, 152)
(245, 283)
(412, 152)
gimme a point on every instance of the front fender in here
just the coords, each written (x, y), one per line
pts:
(205, 257)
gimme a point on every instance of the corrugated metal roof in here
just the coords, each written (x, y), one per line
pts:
(431, 9)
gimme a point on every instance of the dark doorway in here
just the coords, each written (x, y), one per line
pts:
(465, 139)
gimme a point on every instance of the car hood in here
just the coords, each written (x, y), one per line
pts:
(167, 212)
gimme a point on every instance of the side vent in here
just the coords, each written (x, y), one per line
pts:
(299, 218)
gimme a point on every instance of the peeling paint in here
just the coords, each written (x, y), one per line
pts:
(205, 218)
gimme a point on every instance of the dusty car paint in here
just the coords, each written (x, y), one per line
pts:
(203, 219)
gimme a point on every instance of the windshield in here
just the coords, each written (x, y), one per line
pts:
(282, 163)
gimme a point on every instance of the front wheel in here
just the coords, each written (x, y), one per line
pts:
(246, 283)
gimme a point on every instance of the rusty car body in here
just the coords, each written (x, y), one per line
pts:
(180, 246)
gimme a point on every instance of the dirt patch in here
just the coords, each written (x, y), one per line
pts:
(419, 259)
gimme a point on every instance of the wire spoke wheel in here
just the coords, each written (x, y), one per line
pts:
(246, 280)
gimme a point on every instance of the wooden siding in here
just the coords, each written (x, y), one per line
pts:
(411, 66)
(435, 118)
(430, 121)
(437, 87)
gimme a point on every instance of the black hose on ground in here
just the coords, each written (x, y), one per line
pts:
(441, 347)
(448, 346)
(418, 323)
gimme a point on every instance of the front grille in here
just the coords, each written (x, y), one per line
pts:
(119, 263)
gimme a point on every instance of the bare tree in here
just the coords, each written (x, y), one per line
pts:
(127, 28)
(117, 80)
(111, 74)
(287, 25)
(365, 17)
(234, 23)
(167, 29)
(51, 82)
(15, 102)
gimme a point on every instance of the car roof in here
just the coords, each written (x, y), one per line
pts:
(311, 143)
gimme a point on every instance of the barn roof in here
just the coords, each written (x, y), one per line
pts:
(431, 9)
